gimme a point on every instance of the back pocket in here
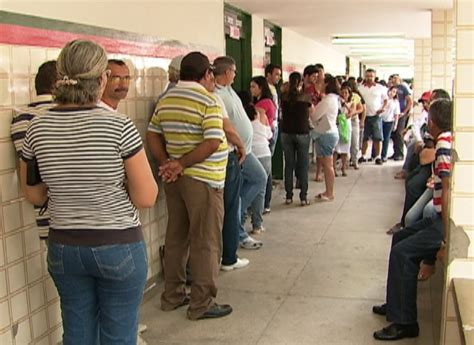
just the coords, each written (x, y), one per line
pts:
(55, 258)
(114, 261)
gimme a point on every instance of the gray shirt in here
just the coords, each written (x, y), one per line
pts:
(237, 114)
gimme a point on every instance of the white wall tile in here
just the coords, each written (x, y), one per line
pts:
(28, 213)
(24, 333)
(465, 48)
(11, 216)
(461, 210)
(4, 314)
(5, 122)
(32, 241)
(464, 178)
(51, 291)
(9, 186)
(16, 277)
(14, 247)
(39, 324)
(33, 267)
(36, 296)
(5, 59)
(465, 12)
(464, 78)
(464, 145)
(38, 57)
(19, 306)
(21, 60)
(8, 154)
(3, 284)
(21, 91)
(6, 338)
(5, 92)
(52, 54)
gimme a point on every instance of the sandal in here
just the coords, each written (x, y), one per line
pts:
(397, 227)
(426, 271)
(288, 201)
(322, 197)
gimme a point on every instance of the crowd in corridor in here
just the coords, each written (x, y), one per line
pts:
(84, 167)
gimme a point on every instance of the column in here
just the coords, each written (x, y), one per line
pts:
(442, 36)
(461, 240)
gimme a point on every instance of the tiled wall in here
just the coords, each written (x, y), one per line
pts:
(422, 75)
(442, 49)
(29, 304)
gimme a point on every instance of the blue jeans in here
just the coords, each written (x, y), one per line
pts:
(269, 186)
(416, 212)
(100, 290)
(409, 247)
(254, 180)
(230, 229)
(258, 203)
(409, 157)
(386, 131)
(296, 146)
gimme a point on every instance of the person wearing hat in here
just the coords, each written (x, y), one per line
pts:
(186, 137)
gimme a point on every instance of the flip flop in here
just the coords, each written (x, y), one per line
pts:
(322, 197)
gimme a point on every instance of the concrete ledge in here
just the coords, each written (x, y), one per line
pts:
(464, 302)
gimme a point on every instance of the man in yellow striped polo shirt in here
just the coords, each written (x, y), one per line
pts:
(187, 139)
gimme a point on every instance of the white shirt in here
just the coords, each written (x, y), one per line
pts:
(392, 109)
(104, 105)
(325, 114)
(261, 136)
(374, 97)
(225, 116)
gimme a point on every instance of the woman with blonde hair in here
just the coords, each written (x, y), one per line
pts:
(89, 165)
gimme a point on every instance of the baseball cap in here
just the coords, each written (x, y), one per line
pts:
(426, 96)
(176, 63)
(194, 64)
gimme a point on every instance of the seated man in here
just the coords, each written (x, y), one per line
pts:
(420, 240)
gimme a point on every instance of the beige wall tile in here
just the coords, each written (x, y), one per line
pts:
(464, 145)
(14, 247)
(6, 338)
(438, 43)
(464, 108)
(16, 277)
(21, 91)
(2, 254)
(38, 57)
(437, 69)
(20, 60)
(56, 336)
(19, 306)
(465, 51)
(461, 210)
(39, 324)
(4, 314)
(9, 186)
(11, 216)
(52, 53)
(51, 291)
(464, 178)
(43, 341)
(464, 78)
(452, 333)
(437, 29)
(33, 267)
(5, 92)
(36, 296)
(465, 12)
(5, 59)
(32, 241)
(8, 154)
(5, 122)
(24, 333)
(131, 109)
(141, 110)
(3, 284)
(54, 314)
(438, 15)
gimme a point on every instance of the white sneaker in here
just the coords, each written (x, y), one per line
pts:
(251, 243)
(258, 231)
(240, 263)
(141, 328)
(266, 210)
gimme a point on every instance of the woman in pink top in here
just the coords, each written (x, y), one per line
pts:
(263, 97)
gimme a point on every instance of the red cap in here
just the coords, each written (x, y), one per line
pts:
(426, 96)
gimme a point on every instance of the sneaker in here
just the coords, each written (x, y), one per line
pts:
(258, 231)
(240, 263)
(251, 243)
(362, 160)
(378, 161)
(216, 311)
(141, 328)
(266, 210)
(384, 159)
(370, 159)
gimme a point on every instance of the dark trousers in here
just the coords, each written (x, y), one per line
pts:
(386, 130)
(415, 186)
(296, 147)
(409, 247)
(397, 137)
(230, 229)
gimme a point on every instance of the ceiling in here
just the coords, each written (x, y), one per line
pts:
(323, 19)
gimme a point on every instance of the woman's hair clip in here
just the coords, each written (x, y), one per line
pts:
(66, 81)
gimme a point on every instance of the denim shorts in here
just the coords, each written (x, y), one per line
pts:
(326, 143)
(373, 128)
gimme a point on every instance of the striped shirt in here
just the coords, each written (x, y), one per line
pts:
(186, 116)
(20, 123)
(80, 154)
(442, 167)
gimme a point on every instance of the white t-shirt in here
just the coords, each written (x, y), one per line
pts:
(261, 136)
(225, 116)
(392, 109)
(374, 97)
(325, 114)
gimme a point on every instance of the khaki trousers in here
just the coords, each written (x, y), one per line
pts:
(195, 218)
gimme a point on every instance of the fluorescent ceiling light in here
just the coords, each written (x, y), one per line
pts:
(387, 50)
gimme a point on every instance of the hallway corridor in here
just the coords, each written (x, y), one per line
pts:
(315, 279)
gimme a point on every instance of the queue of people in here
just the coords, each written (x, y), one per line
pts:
(83, 165)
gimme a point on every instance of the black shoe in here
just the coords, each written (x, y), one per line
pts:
(391, 157)
(380, 309)
(378, 161)
(216, 311)
(396, 332)
(384, 160)
(362, 160)
(398, 158)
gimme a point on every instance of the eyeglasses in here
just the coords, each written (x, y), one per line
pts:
(117, 79)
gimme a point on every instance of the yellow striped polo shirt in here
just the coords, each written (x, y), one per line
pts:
(186, 116)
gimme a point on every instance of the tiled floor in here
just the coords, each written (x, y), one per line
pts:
(321, 269)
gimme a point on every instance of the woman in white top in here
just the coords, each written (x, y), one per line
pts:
(262, 134)
(326, 134)
(389, 119)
